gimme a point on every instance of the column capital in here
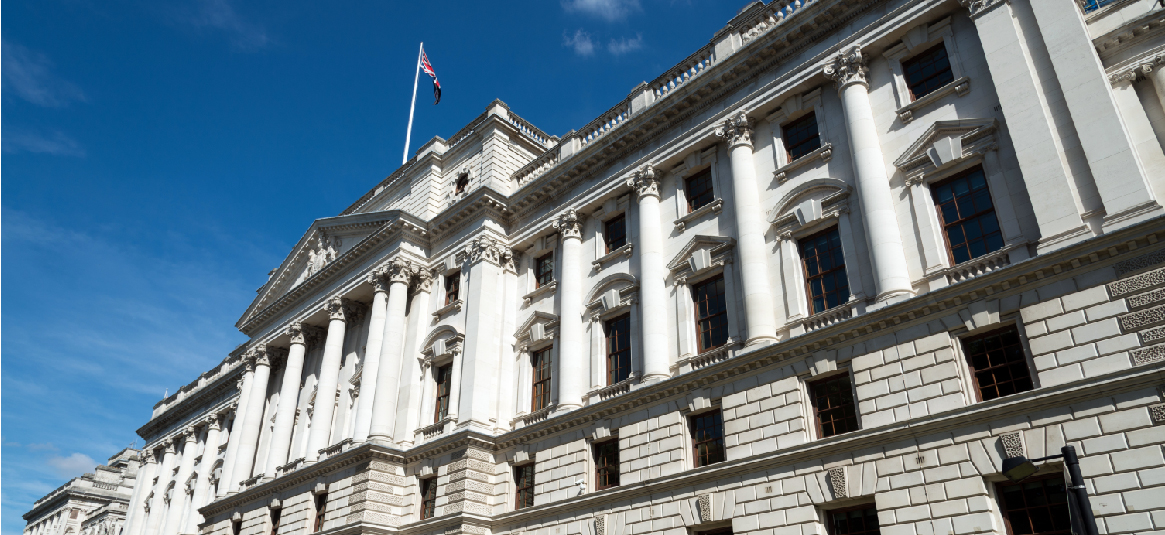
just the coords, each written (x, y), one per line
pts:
(214, 424)
(645, 180)
(737, 129)
(259, 357)
(149, 456)
(400, 271)
(354, 311)
(170, 449)
(569, 224)
(979, 7)
(304, 334)
(425, 280)
(378, 282)
(488, 249)
(848, 68)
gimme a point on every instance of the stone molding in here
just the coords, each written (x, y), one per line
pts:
(1012, 444)
(486, 248)
(837, 482)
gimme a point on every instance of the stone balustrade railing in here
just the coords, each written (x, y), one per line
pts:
(547, 161)
(984, 264)
(689, 68)
(771, 16)
(606, 122)
(829, 317)
(531, 131)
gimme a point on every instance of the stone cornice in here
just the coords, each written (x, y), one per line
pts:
(192, 405)
(484, 202)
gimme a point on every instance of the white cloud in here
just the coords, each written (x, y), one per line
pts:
(55, 143)
(609, 10)
(624, 45)
(581, 43)
(29, 75)
(73, 465)
(220, 15)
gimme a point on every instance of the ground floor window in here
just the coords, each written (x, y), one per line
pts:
(1035, 506)
(859, 520)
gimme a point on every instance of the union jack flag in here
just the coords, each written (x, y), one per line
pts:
(428, 68)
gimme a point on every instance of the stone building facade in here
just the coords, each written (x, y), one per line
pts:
(93, 504)
(819, 277)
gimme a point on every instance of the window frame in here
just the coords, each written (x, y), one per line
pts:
(996, 330)
(452, 287)
(538, 273)
(917, 57)
(811, 386)
(710, 192)
(428, 504)
(321, 510)
(461, 183)
(932, 188)
(808, 284)
(607, 332)
(275, 516)
(796, 122)
(521, 491)
(607, 233)
(830, 529)
(918, 39)
(541, 358)
(1003, 512)
(236, 527)
(695, 290)
(440, 396)
(601, 470)
(695, 442)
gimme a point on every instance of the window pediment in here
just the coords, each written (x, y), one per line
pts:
(539, 328)
(700, 255)
(945, 144)
(811, 202)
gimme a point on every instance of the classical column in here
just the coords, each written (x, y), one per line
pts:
(372, 353)
(252, 419)
(1156, 71)
(158, 505)
(185, 467)
(483, 261)
(652, 272)
(135, 520)
(418, 327)
(388, 374)
(205, 472)
(750, 231)
(233, 440)
(881, 224)
(572, 363)
(325, 407)
(288, 398)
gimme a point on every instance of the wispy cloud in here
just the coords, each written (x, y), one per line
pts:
(73, 465)
(624, 45)
(609, 10)
(581, 42)
(29, 75)
(43, 446)
(221, 15)
(51, 143)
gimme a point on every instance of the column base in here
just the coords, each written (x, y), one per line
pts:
(760, 341)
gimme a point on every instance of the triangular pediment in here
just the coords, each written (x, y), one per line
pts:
(946, 142)
(327, 244)
(714, 245)
(537, 317)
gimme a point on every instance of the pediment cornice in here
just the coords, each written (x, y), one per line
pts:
(944, 143)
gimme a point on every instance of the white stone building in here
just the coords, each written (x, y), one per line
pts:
(93, 504)
(819, 277)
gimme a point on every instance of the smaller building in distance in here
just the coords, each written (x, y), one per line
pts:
(93, 504)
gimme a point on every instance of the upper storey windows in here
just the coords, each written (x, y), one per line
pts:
(443, 376)
(544, 270)
(461, 184)
(711, 314)
(824, 264)
(998, 363)
(927, 71)
(967, 215)
(800, 136)
(615, 232)
(698, 190)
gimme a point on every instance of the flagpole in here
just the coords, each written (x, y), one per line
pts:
(413, 106)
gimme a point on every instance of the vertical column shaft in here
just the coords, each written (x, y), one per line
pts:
(417, 319)
(652, 272)
(369, 378)
(288, 400)
(325, 404)
(252, 419)
(572, 373)
(388, 374)
(178, 499)
(750, 230)
(233, 440)
(205, 472)
(890, 273)
(158, 505)
(135, 520)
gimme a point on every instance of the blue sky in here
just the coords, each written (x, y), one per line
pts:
(160, 157)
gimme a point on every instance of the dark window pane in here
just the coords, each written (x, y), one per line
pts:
(711, 314)
(833, 404)
(428, 497)
(1036, 506)
(443, 376)
(452, 288)
(800, 137)
(615, 232)
(708, 438)
(998, 363)
(928, 71)
(825, 277)
(968, 216)
(524, 481)
(698, 190)
(607, 464)
(618, 348)
(540, 362)
(544, 270)
(860, 520)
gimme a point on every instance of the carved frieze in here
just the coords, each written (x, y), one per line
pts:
(837, 482)
(1012, 444)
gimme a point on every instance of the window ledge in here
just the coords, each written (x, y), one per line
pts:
(975, 266)
(604, 393)
(534, 417)
(830, 316)
(544, 289)
(612, 256)
(962, 86)
(825, 152)
(713, 207)
(707, 358)
(448, 309)
(436, 429)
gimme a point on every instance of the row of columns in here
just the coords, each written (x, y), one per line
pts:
(174, 462)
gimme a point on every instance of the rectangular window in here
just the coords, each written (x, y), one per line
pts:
(462, 183)
(275, 514)
(540, 361)
(707, 438)
(824, 263)
(428, 497)
(524, 482)
(859, 520)
(321, 510)
(444, 377)
(711, 314)
(615, 232)
(452, 288)
(998, 365)
(607, 464)
(544, 270)
(618, 348)
(698, 189)
(927, 71)
(1035, 506)
(800, 136)
(967, 215)
(833, 402)
(236, 527)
